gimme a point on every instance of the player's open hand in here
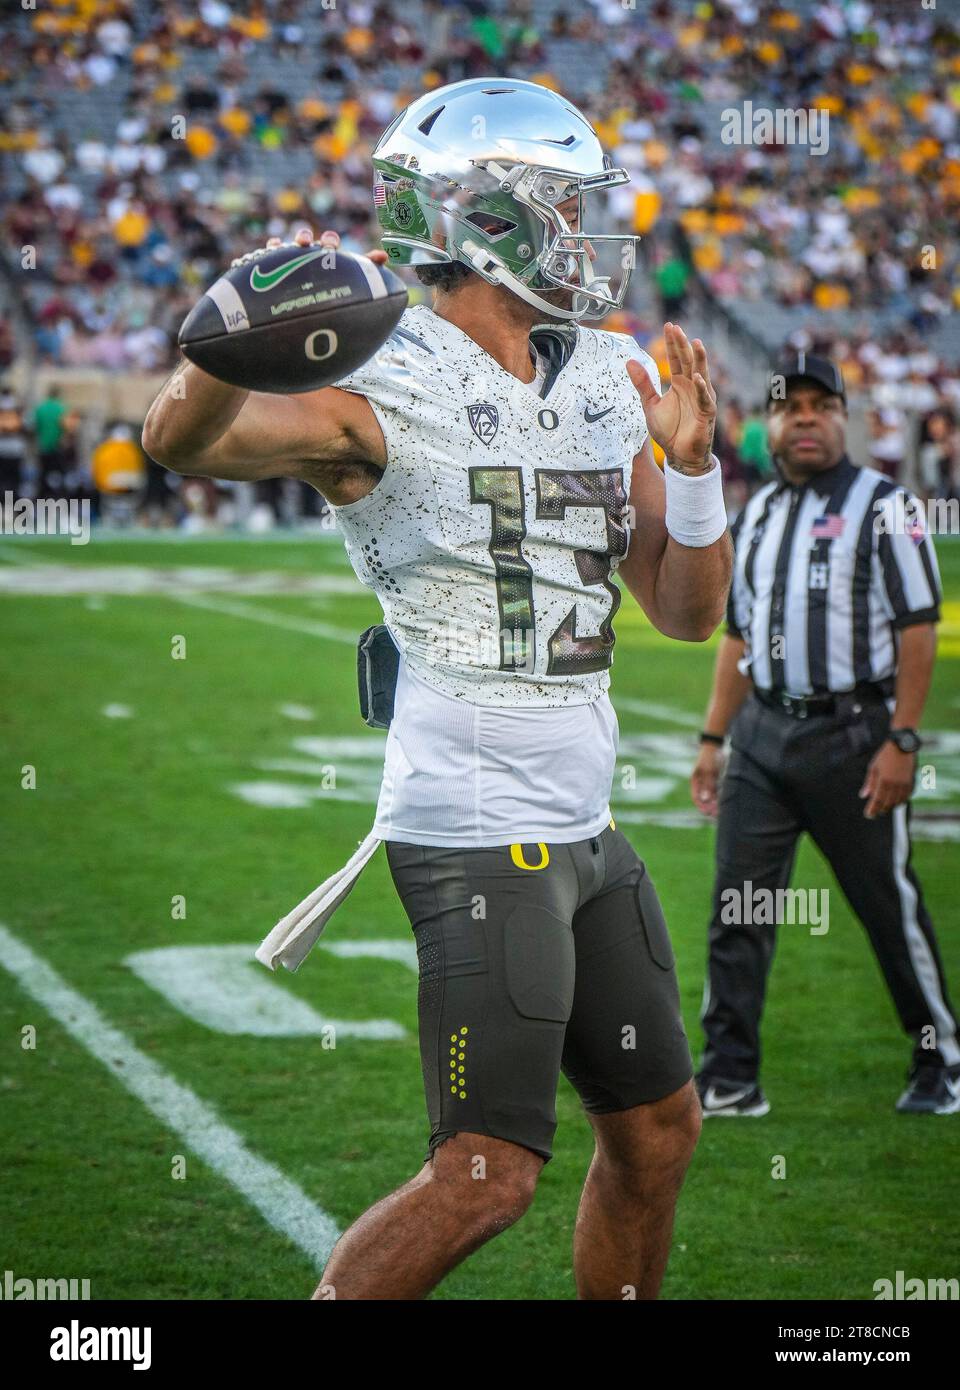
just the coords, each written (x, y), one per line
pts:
(889, 780)
(682, 420)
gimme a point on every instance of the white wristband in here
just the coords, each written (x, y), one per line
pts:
(696, 514)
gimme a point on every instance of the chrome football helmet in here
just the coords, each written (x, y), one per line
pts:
(484, 166)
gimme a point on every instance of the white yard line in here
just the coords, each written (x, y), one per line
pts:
(104, 536)
(135, 581)
(647, 709)
(239, 610)
(282, 1204)
(223, 988)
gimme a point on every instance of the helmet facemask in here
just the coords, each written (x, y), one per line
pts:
(570, 256)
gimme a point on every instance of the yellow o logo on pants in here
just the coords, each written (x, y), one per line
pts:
(516, 854)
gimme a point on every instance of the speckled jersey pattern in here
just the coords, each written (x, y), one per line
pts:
(493, 534)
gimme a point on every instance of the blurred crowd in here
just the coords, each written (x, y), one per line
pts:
(144, 145)
(872, 222)
(911, 401)
(51, 450)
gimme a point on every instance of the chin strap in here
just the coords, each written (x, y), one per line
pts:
(491, 269)
(592, 282)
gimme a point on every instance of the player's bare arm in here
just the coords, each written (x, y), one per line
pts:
(329, 438)
(681, 588)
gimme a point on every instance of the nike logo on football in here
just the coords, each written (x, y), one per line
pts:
(590, 415)
(266, 281)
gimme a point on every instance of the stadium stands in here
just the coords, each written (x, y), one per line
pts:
(144, 144)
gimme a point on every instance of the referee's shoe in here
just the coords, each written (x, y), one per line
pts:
(931, 1091)
(729, 1100)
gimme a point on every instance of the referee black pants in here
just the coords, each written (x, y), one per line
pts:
(786, 776)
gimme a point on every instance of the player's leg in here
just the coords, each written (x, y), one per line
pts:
(472, 1188)
(757, 831)
(622, 1239)
(495, 946)
(626, 1053)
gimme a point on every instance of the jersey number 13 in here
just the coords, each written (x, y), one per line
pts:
(569, 652)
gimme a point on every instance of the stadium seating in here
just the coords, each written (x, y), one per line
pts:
(145, 144)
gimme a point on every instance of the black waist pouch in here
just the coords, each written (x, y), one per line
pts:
(378, 662)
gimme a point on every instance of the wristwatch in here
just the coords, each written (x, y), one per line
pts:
(907, 740)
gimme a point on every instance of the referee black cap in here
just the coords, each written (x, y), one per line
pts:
(793, 366)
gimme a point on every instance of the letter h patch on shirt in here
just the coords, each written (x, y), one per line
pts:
(819, 576)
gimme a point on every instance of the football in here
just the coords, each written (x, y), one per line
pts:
(293, 318)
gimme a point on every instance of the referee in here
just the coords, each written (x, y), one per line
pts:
(821, 681)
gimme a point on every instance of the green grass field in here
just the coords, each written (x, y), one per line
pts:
(239, 777)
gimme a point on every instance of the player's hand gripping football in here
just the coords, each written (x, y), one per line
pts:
(682, 420)
(304, 237)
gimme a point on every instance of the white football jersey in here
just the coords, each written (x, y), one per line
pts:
(493, 534)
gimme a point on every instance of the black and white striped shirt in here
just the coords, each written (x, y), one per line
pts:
(824, 576)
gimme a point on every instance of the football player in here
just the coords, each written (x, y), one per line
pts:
(491, 468)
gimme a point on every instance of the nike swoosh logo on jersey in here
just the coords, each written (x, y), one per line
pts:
(712, 1101)
(589, 416)
(260, 281)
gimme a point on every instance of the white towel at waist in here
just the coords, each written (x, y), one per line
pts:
(294, 935)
